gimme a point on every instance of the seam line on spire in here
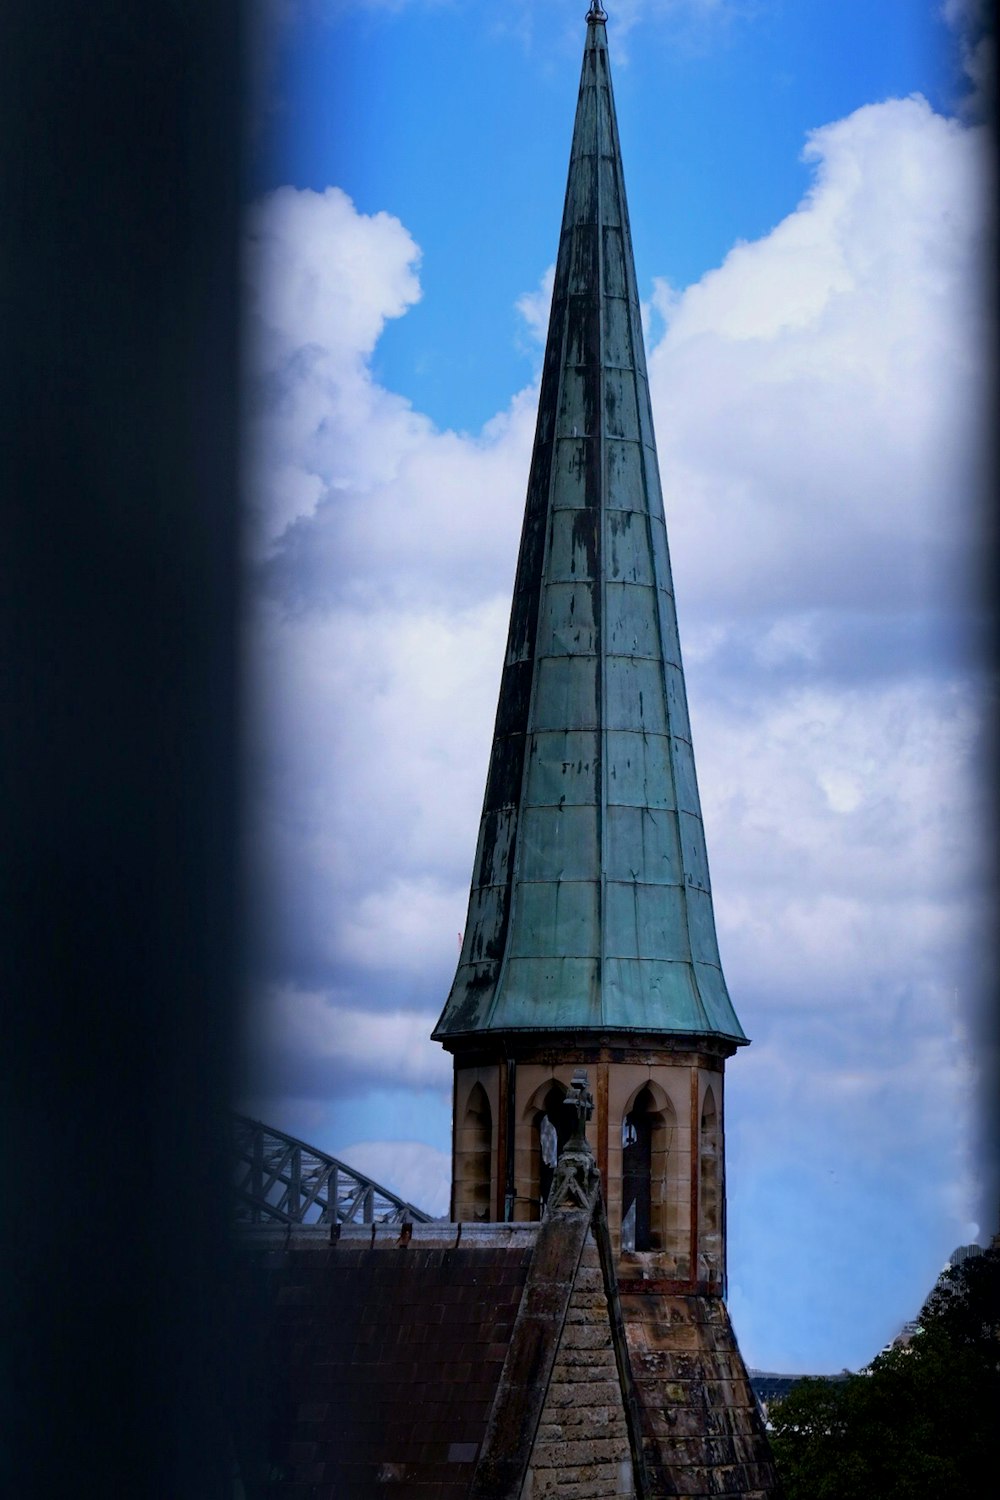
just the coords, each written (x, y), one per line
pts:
(602, 732)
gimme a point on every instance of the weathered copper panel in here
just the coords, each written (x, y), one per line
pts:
(610, 201)
(563, 768)
(651, 996)
(693, 851)
(569, 473)
(581, 197)
(645, 415)
(552, 994)
(622, 920)
(684, 780)
(625, 474)
(661, 552)
(635, 698)
(620, 413)
(573, 546)
(661, 915)
(568, 623)
(704, 947)
(558, 843)
(630, 558)
(643, 844)
(485, 923)
(555, 918)
(640, 772)
(496, 847)
(677, 704)
(568, 693)
(632, 623)
(581, 245)
(618, 335)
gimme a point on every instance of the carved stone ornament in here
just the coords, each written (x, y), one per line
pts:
(576, 1180)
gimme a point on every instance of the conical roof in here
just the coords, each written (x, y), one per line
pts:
(590, 905)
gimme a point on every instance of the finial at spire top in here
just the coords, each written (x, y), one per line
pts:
(597, 13)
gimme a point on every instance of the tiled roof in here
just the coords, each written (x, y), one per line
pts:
(377, 1367)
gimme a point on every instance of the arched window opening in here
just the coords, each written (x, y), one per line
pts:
(476, 1147)
(710, 1187)
(637, 1174)
(553, 1126)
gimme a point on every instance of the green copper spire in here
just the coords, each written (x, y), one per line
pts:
(590, 904)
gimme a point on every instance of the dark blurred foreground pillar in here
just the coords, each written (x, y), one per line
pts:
(120, 151)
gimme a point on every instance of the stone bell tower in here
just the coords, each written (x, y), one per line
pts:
(590, 939)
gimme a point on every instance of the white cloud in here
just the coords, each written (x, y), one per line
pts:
(420, 1174)
(322, 281)
(411, 922)
(535, 307)
(376, 733)
(387, 1045)
(816, 397)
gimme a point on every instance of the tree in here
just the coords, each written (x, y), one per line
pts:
(920, 1422)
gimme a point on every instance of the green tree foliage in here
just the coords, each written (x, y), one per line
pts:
(921, 1423)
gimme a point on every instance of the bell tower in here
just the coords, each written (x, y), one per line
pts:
(590, 939)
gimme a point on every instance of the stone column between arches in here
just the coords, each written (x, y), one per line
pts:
(683, 1097)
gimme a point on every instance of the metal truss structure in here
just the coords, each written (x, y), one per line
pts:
(279, 1180)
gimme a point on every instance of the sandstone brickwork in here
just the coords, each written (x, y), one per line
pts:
(703, 1435)
(581, 1449)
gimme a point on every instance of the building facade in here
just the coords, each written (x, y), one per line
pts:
(565, 1336)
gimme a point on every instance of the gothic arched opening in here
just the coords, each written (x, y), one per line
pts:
(553, 1127)
(645, 1143)
(637, 1167)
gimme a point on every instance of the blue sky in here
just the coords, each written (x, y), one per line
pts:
(441, 111)
(806, 192)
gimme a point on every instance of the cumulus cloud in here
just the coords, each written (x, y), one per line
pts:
(373, 735)
(349, 1045)
(413, 1171)
(535, 307)
(322, 280)
(815, 401)
(817, 395)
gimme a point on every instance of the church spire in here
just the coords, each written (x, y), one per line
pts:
(590, 907)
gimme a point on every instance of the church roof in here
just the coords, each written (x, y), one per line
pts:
(377, 1361)
(591, 906)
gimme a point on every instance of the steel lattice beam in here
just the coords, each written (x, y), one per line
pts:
(278, 1179)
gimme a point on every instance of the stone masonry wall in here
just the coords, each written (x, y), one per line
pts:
(581, 1449)
(703, 1434)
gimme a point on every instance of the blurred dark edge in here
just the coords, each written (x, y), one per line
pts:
(120, 134)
